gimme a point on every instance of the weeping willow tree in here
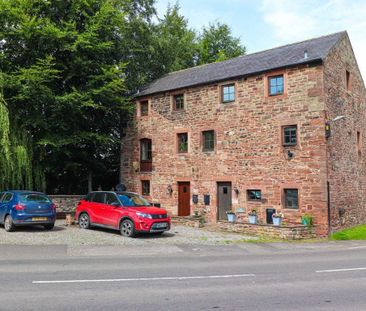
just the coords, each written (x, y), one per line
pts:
(16, 169)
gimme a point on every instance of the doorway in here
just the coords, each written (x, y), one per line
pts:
(223, 199)
(184, 199)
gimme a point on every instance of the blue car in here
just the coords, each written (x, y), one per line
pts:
(24, 208)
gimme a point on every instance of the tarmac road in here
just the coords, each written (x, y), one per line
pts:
(247, 276)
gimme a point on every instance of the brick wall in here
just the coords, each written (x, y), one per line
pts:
(248, 151)
(346, 165)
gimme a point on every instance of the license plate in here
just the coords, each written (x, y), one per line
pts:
(39, 218)
(160, 225)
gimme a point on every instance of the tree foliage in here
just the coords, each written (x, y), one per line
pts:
(70, 69)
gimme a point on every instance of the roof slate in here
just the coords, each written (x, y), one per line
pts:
(280, 57)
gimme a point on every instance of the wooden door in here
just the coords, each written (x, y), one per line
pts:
(184, 199)
(223, 199)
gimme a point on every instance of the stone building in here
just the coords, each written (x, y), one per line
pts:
(280, 130)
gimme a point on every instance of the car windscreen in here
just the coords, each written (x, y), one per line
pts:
(131, 200)
(31, 197)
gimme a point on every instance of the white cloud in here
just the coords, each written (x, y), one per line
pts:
(294, 20)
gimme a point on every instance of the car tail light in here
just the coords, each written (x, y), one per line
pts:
(79, 203)
(19, 207)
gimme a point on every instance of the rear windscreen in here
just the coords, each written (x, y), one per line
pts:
(39, 198)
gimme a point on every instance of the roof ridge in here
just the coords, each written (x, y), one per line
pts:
(254, 53)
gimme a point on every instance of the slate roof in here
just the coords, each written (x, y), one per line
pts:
(284, 56)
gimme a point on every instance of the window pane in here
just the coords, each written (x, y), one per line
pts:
(111, 199)
(276, 85)
(290, 135)
(145, 146)
(254, 195)
(228, 93)
(145, 187)
(98, 197)
(292, 198)
(144, 108)
(208, 140)
(183, 142)
(179, 102)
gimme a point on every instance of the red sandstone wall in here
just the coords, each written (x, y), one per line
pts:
(346, 166)
(248, 153)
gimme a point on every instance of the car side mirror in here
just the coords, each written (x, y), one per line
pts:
(116, 204)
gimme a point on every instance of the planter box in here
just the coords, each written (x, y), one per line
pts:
(277, 221)
(253, 219)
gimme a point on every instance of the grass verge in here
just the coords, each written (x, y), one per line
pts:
(354, 233)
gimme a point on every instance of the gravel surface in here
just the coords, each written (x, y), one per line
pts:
(73, 235)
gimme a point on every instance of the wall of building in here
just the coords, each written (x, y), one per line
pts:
(249, 151)
(346, 161)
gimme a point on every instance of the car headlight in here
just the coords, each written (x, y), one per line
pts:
(143, 215)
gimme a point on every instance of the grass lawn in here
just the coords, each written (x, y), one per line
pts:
(354, 233)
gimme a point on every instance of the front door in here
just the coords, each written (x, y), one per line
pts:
(223, 199)
(184, 199)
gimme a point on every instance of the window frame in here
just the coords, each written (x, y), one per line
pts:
(180, 151)
(203, 137)
(144, 103)
(276, 76)
(143, 184)
(146, 164)
(175, 102)
(256, 199)
(348, 80)
(285, 199)
(289, 144)
(222, 88)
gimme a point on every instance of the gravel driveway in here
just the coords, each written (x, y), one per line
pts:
(73, 236)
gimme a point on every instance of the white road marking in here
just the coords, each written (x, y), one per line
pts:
(169, 278)
(340, 270)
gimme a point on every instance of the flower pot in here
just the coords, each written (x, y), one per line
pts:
(277, 221)
(253, 219)
(231, 217)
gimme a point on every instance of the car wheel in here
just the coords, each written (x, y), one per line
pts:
(84, 221)
(127, 228)
(8, 224)
(49, 226)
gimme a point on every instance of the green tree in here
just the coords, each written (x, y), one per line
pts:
(64, 80)
(216, 43)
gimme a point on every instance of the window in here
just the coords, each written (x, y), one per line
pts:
(7, 197)
(290, 135)
(208, 140)
(254, 195)
(228, 93)
(145, 186)
(275, 85)
(178, 102)
(183, 142)
(359, 142)
(145, 155)
(291, 198)
(348, 80)
(98, 197)
(111, 199)
(144, 108)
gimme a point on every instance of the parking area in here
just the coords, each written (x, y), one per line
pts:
(74, 236)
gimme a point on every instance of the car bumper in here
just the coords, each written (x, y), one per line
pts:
(33, 219)
(159, 226)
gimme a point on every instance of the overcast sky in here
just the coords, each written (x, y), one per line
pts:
(263, 24)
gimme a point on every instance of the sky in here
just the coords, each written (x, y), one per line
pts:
(264, 24)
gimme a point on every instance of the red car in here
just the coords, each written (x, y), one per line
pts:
(125, 211)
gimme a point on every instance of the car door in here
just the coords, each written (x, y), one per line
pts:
(112, 210)
(5, 204)
(97, 207)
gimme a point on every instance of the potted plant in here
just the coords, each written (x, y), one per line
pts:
(230, 216)
(307, 220)
(253, 216)
(277, 218)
